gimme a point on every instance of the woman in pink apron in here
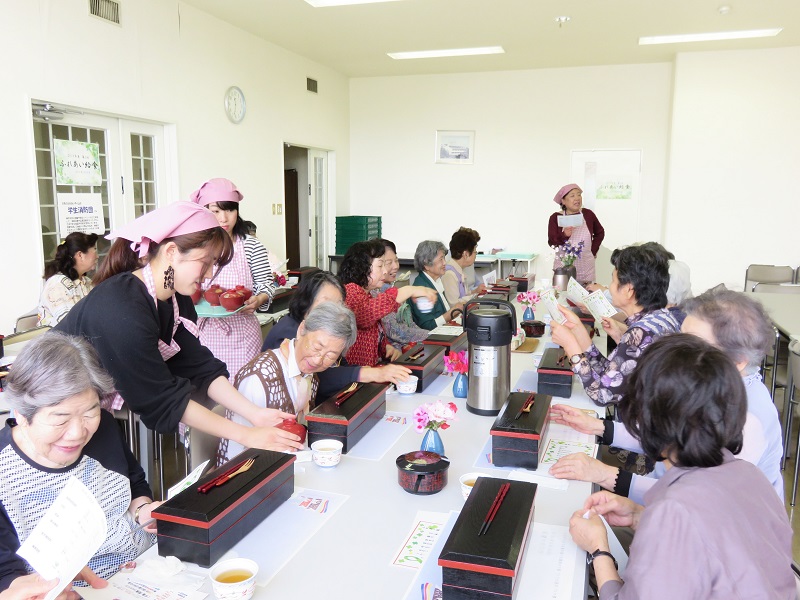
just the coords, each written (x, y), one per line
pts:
(589, 231)
(141, 321)
(235, 340)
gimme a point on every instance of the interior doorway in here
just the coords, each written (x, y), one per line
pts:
(306, 185)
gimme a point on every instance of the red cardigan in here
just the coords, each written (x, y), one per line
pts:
(556, 237)
(370, 346)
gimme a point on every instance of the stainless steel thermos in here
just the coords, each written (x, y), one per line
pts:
(490, 325)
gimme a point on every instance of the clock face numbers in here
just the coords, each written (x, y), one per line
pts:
(235, 106)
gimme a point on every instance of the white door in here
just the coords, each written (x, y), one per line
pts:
(317, 207)
(131, 156)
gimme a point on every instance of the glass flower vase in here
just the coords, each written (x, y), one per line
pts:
(460, 386)
(432, 442)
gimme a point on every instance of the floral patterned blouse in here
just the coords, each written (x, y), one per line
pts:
(60, 294)
(603, 377)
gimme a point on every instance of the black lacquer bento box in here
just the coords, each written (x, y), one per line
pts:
(478, 567)
(516, 441)
(352, 420)
(200, 528)
(555, 373)
(426, 361)
(450, 343)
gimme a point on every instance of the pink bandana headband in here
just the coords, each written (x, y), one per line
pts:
(175, 219)
(216, 190)
(564, 191)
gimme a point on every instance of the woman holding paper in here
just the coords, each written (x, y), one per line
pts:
(61, 433)
(639, 289)
(575, 224)
(713, 527)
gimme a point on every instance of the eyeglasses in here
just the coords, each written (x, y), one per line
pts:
(328, 358)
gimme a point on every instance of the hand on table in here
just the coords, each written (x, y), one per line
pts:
(392, 353)
(576, 419)
(580, 467)
(481, 289)
(384, 374)
(617, 510)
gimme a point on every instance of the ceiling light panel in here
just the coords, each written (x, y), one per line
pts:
(446, 53)
(326, 3)
(708, 37)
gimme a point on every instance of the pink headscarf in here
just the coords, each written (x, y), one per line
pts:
(216, 190)
(174, 219)
(564, 191)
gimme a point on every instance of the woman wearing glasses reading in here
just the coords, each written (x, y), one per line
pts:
(285, 377)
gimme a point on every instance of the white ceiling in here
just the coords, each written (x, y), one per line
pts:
(354, 40)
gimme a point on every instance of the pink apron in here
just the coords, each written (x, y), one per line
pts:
(585, 264)
(166, 351)
(235, 340)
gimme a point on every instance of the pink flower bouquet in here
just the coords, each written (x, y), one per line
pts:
(456, 362)
(434, 416)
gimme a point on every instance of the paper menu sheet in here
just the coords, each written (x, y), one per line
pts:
(576, 292)
(599, 306)
(66, 537)
(490, 278)
(556, 449)
(570, 220)
(548, 298)
(421, 540)
(447, 330)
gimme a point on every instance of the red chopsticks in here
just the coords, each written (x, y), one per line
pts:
(342, 398)
(206, 487)
(498, 500)
(416, 353)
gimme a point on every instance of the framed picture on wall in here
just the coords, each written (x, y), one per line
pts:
(455, 147)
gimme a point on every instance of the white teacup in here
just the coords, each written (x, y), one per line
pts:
(467, 482)
(409, 386)
(326, 453)
(423, 304)
(234, 579)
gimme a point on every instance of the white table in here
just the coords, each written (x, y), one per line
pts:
(351, 554)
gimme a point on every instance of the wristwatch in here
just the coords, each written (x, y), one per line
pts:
(590, 557)
(576, 358)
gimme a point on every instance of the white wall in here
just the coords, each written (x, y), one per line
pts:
(526, 123)
(168, 63)
(735, 159)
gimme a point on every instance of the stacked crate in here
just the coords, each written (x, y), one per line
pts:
(355, 228)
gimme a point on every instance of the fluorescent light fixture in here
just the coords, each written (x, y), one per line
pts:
(325, 3)
(445, 53)
(708, 37)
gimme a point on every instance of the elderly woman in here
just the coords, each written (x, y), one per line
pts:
(61, 432)
(285, 378)
(398, 326)
(314, 289)
(713, 527)
(589, 231)
(737, 325)
(639, 289)
(363, 271)
(65, 277)
(463, 250)
(430, 261)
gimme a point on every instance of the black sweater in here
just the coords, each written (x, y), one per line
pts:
(119, 318)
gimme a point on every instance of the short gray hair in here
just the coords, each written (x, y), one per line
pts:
(426, 254)
(335, 319)
(740, 324)
(52, 368)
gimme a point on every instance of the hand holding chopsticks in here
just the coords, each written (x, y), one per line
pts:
(498, 500)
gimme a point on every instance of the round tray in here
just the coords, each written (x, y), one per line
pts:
(204, 309)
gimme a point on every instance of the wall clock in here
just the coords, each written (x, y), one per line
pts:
(235, 106)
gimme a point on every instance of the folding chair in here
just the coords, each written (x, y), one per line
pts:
(767, 274)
